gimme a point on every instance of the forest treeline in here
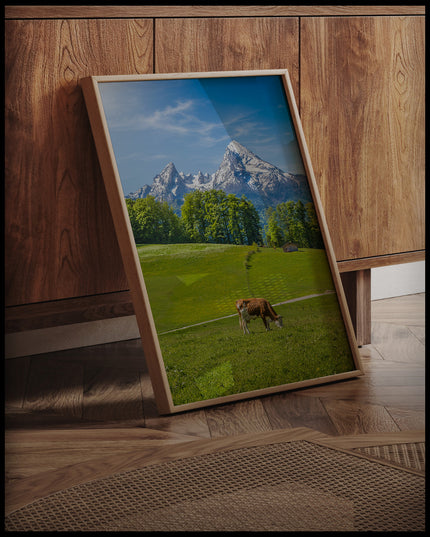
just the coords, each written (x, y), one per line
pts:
(216, 217)
(293, 222)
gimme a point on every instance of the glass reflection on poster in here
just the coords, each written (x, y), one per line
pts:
(211, 185)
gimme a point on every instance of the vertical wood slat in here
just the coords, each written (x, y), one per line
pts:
(222, 44)
(60, 240)
(357, 287)
(362, 97)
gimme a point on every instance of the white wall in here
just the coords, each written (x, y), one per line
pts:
(398, 280)
(70, 336)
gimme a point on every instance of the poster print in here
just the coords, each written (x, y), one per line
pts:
(223, 237)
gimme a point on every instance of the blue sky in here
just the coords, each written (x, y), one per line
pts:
(190, 122)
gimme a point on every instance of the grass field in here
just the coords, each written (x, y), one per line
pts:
(192, 283)
(197, 283)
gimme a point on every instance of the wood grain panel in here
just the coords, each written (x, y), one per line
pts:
(381, 261)
(61, 12)
(60, 240)
(222, 44)
(362, 98)
(67, 311)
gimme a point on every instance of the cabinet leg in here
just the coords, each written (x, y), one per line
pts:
(356, 285)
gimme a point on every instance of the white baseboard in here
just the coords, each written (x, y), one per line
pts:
(70, 336)
(398, 280)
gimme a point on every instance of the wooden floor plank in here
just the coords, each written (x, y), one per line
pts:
(31, 452)
(395, 374)
(193, 423)
(16, 373)
(112, 394)
(54, 388)
(92, 436)
(397, 343)
(238, 418)
(401, 396)
(373, 439)
(352, 418)
(409, 397)
(190, 423)
(419, 332)
(403, 310)
(120, 355)
(350, 390)
(289, 410)
(24, 419)
(368, 353)
(408, 419)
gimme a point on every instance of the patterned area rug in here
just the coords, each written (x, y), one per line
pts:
(410, 455)
(287, 486)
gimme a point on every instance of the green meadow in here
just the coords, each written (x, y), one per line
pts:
(192, 283)
(196, 286)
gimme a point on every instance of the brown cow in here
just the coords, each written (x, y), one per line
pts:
(252, 308)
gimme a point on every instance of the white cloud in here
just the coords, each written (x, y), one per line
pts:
(143, 156)
(178, 119)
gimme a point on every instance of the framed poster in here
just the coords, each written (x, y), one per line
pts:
(224, 242)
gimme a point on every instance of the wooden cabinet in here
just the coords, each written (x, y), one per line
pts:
(358, 80)
(222, 44)
(362, 95)
(60, 241)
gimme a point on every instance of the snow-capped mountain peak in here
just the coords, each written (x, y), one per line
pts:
(241, 172)
(238, 148)
(168, 174)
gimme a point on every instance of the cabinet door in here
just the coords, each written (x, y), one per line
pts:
(60, 240)
(223, 44)
(362, 108)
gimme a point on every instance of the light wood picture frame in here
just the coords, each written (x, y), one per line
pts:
(219, 222)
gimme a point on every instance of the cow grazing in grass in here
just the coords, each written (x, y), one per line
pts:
(252, 308)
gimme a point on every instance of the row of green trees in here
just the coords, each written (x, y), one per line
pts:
(293, 222)
(155, 222)
(216, 217)
(211, 216)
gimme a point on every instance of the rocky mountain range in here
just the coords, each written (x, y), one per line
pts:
(240, 172)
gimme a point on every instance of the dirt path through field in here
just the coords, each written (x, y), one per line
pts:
(307, 297)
